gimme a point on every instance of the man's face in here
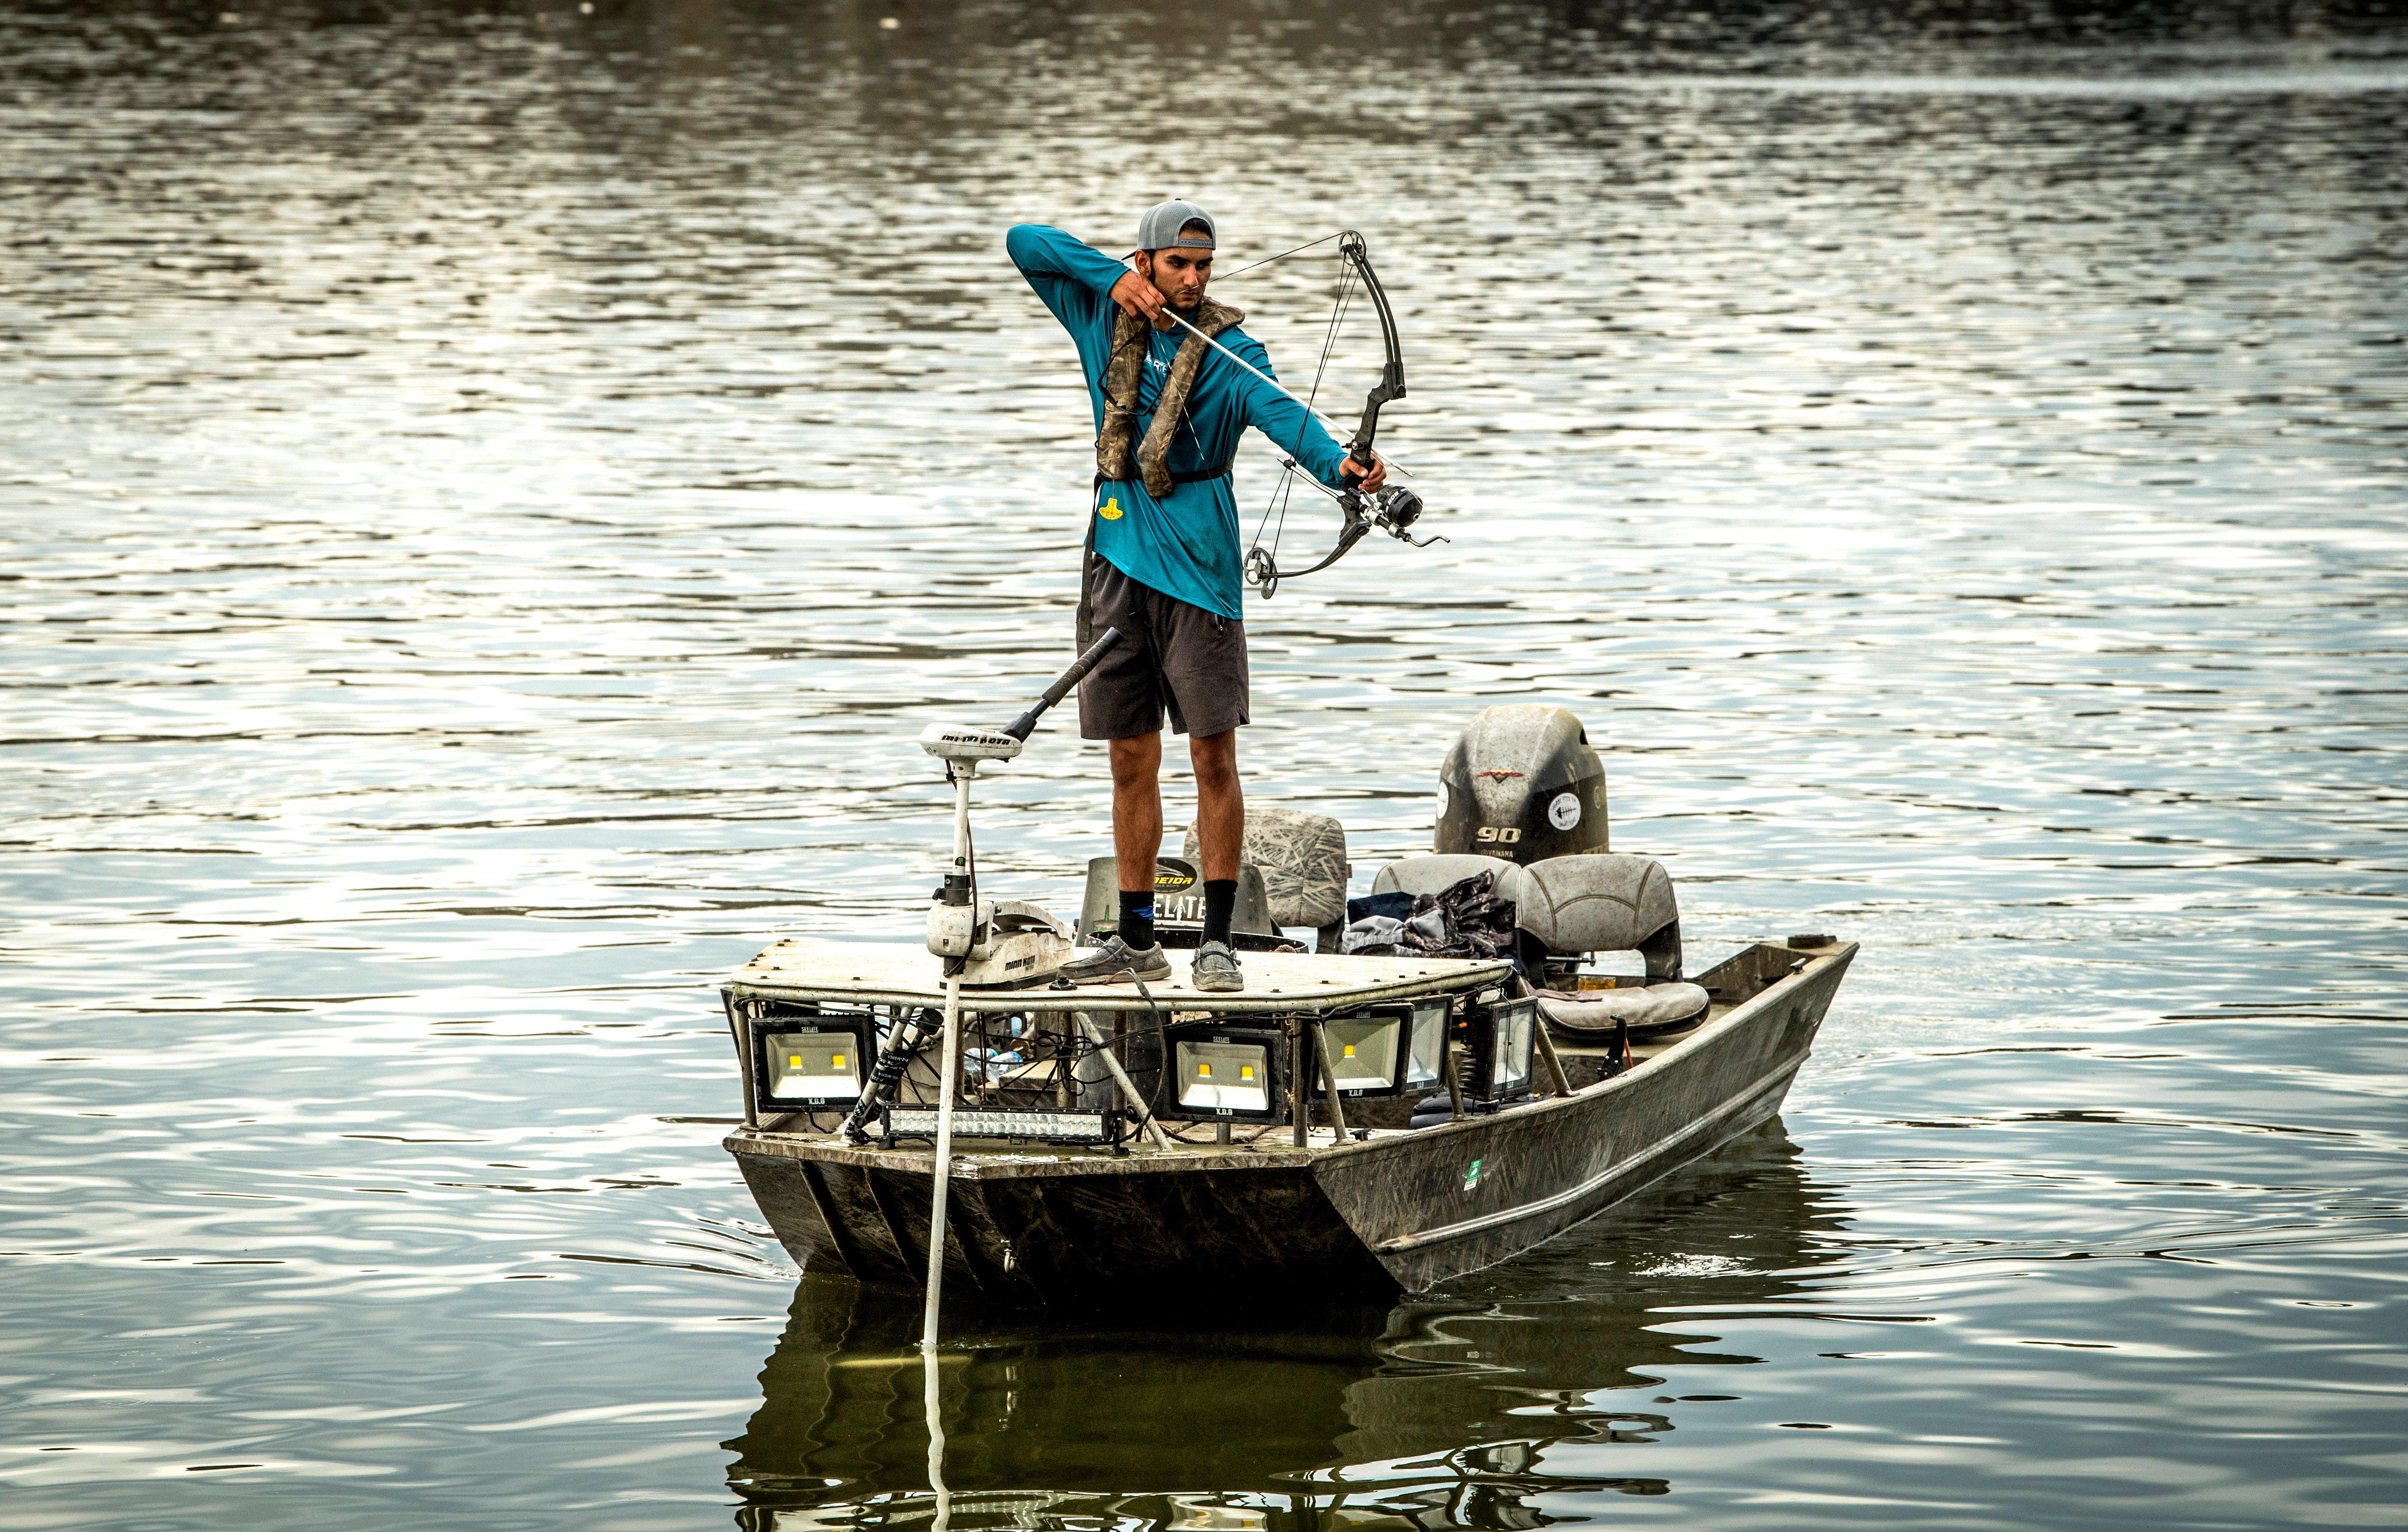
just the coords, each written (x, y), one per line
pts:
(1179, 275)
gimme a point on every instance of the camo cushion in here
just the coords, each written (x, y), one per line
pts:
(1302, 857)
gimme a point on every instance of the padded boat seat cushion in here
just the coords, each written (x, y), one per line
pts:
(1303, 861)
(1597, 1010)
(1597, 903)
(1439, 871)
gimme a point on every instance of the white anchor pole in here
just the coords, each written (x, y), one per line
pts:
(963, 771)
(944, 1160)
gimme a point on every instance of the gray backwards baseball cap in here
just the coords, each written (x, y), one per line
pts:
(1159, 228)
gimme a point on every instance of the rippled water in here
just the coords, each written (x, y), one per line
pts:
(491, 494)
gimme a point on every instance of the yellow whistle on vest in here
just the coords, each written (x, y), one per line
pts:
(1111, 509)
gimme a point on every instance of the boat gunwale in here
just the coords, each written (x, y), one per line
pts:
(1604, 1089)
(1628, 1164)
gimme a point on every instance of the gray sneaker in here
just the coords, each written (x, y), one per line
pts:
(1114, 961)
(1216, 970)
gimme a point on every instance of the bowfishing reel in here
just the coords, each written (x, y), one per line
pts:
(1398, 510)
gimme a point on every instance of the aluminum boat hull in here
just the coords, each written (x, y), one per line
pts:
(1398, 1212)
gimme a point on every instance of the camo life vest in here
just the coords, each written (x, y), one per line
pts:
(1121, 374)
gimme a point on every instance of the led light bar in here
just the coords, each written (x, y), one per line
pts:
(1056, 1127)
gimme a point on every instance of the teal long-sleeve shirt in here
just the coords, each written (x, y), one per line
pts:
(1184, 544)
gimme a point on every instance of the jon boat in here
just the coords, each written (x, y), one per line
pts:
(1617, 1083)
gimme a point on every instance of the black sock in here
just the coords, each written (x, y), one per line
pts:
(1137, 920)
(1220, 903)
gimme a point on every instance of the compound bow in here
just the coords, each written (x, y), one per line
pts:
(1393, 509)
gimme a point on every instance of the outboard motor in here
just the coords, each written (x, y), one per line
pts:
(1522, 784)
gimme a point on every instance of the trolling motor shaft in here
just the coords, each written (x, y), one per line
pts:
(1009, 937)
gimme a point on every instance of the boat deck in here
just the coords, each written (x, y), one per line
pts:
(903, 974)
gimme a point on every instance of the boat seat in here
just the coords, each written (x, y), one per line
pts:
(1655, 1008)
(1179, 905)
(1602, 903)
(1436, 872)
(1302, 857)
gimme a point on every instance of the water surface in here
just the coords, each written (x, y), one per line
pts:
(491, 494)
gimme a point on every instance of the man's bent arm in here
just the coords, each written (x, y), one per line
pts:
(1073, 277)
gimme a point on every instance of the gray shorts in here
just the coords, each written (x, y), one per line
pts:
(1171, 654)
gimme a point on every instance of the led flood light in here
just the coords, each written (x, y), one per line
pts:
(1504, 1033)
(1227, 1076)
(1426, 1051)
(811, 1063)
(1369, 1053)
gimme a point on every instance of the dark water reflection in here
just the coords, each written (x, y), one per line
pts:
(1443, 1411)
(490, 492)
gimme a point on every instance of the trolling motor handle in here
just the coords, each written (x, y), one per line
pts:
(1021, 727)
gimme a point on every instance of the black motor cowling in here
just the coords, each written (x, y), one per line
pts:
(1522, 784)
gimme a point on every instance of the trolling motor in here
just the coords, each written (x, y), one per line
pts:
(995, 942)
(989, 942)
(983, 943)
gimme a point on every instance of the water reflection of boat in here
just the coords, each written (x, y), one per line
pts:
(1439, 1410)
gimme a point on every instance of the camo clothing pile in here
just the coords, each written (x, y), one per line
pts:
(1464, 919)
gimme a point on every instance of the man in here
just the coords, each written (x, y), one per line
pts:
(1162, 565)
